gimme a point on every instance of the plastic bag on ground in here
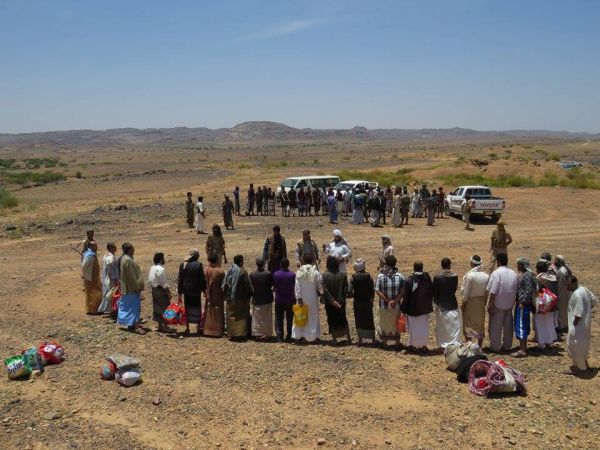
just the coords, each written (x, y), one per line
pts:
(487, 378)
(457, 352)
(17, 367)
(129, 377)
(34, 358)
(123, 361)
(51, 352)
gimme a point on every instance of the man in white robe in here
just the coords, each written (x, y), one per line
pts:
(307, 289)
(562, 275)
(110, 278)
(340, 249)
(580, 324)
(200, 216)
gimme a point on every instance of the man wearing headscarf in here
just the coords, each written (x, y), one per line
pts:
(389, 287)
(447, 322)
(526, 290)
(307, 287)
(132, 285)
(361, 288)
(306, 247)
(387, 249)
(502, 289)
(563, 273)
(274, 250)
(580, 324)
(500, 241)
(545, 329)
(339, 249)
(474, 298)
(238, 291)
(189, 210)
(191, 283)
(228, 208)
(417, 304)
(90, 272)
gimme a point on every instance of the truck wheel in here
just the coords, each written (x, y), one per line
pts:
(495, 218)
(447, 210)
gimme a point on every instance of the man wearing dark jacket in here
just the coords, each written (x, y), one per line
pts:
(417, 304)
(447, 323)
(190, 285)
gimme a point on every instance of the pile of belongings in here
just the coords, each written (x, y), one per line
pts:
(487, 378)
(125, 369)
(461, 356)
(32, 360)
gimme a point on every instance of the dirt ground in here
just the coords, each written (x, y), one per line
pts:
(212, 393)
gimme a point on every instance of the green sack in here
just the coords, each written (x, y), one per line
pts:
(17, 367)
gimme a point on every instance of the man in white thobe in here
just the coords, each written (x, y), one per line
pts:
(110, 277)
(200, 216)
(340, 249)
(562, 275)
(580, 324)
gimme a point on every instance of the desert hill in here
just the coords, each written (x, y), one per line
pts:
(273, 131)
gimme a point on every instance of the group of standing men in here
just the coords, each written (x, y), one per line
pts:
(240, 303)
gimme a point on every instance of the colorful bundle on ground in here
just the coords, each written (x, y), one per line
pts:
(125, 369)
(486, 378)
(51, 352)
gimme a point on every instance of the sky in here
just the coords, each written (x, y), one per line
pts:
(481, 64)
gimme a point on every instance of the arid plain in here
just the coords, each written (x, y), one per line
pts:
(209, 393)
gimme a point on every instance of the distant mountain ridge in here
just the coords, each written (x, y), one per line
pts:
(270, 131)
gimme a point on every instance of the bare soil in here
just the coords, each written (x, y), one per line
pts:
(214, 393)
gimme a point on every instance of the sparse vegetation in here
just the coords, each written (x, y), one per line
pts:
(384, 178)
(553, 157)
(8, 164)
(575, 178)
(7, 200)
(33, 177)
(459, 179)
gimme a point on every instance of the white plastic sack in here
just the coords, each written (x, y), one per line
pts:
(455, 353)
(129, 377)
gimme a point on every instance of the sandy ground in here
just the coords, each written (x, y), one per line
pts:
(214, 393)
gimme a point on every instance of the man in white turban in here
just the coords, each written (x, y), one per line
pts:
(339, 248)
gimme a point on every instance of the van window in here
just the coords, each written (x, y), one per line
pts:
(289, 182)
(324, 182)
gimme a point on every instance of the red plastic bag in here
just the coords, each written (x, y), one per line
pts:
(175, 314)
(401, 324)
(115, 300)
(545, 301)
(51, 352)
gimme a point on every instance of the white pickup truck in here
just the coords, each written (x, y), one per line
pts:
(482, 202)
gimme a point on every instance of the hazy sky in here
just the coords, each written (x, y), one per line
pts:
(483, 64)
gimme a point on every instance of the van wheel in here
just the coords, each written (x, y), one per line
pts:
(495, 218)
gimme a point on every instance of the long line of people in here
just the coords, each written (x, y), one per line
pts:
(363, 204)
(240, 304)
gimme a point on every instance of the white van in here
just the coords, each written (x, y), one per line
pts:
(350, 185)
(312, 181)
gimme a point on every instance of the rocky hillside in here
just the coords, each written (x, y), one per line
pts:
(269, 131)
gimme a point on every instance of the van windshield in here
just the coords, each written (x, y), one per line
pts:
(324, 182)
(289, 182)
